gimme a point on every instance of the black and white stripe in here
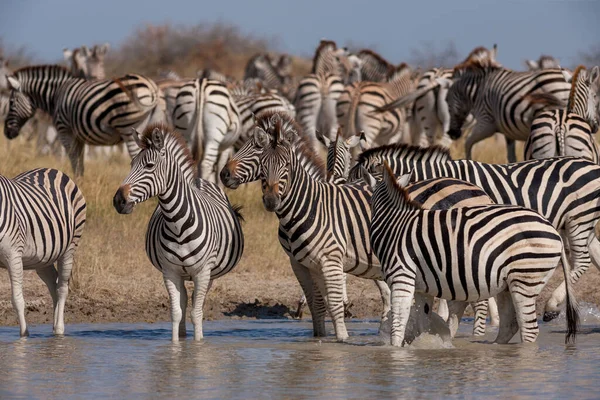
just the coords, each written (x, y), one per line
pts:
(570, 131)
(465, 254)
(41, 222)
(94, 112)
(194, 233)
(501, 100)
(214, 119)
(566, 191)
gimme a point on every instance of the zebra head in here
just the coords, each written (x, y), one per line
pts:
(458, 100)
(244, 166)
(95, 62)
(339, 153)
(21, 109)
(149, 174)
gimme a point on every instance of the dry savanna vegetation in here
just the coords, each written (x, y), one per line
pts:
(113, 280)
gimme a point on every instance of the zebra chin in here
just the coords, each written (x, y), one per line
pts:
(271, 202)
(11, 132)
(120, 201)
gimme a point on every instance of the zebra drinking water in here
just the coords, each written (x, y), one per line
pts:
(194, 233)
(465, 254)
(42, 218)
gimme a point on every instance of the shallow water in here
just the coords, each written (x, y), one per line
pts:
(278, 358)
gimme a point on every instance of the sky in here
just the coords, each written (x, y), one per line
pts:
(522, 29)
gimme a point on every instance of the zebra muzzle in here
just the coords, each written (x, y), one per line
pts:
(228, 179)
(121, 202)
(271, 200)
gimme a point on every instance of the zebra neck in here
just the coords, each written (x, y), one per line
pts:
(175, 203)
(301, 185)
(43, 91)
(578, 103)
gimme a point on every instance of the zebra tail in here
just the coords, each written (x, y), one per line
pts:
(572, 307)
(237, 211)
(406, 99)
(351, 128)
(134, 98)
(560, 139)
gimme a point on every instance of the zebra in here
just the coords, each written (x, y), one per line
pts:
(318, 92)
(85, 63)
(374, 68)
(430, 120)
(568, 132)
(565, 191)
(432, 194)
(213, 120)
(544, 62)
(43, 214)
(194, 233)
(92, 112)
(465, 254)
(501, 100)
(355, 106)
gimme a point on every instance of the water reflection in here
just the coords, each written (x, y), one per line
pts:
(255, 359)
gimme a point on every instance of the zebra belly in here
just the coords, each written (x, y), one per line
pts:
(469, 293)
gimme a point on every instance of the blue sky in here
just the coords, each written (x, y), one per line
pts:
(522, 29)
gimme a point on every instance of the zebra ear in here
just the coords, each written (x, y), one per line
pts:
(158, 139)
(68, 55)
(138, 139)
(101, 49)
(13, 82)
(323, 139)
(444, 82)
(494, 52)
(354, 140)
(368, 178)
(404, 180)
(567, 75)
(594, 75)
(85, 51)
(532, 65)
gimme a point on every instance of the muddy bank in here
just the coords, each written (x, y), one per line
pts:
(238, 295)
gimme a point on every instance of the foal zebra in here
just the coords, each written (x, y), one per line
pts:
(92, 112)
(194, 233)
(565, 191)
(465, 254)
(213, 119)
(42, 218)
(570, 131)
(500, 100)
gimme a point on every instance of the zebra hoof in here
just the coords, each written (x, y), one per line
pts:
(550, 315)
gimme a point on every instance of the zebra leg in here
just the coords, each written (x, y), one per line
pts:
(210, 155)
(74, 149)
(313, 295)
(385, 294)
(525, 313)
(508, 319)
(174, 285)
(330, 282)
(201, 284)
(456, 309)
(493, 312)
(442, 310)
(65, 266)
(511, 150)
(301, 304)
(15, 273)
(49, 276)
(480, 309)
(183, 302)
(402, 295)
(480, 132)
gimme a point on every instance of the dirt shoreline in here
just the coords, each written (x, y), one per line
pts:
(235, 296)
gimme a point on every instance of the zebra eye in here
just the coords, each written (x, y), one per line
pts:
(149, 165)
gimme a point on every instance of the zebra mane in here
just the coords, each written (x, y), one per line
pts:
(324, 54)
(399, 72)
(283, 129)
(574, 85)
(397, 191)
(406, 151)
(176, 145)
(479, 59)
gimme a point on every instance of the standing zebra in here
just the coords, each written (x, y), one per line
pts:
(500, 100)
(318, 92)
(213, 119)
(85, 63)
(430, 120)
(194, 233)
(92, 112)
(565, 191)
(356, 105)
(43, 214)
(570, 131)
(465, 254)
(432, 194)
(544, 62)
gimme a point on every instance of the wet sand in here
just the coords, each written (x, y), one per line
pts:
(234, 296)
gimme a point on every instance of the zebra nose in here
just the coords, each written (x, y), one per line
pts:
(120, 202)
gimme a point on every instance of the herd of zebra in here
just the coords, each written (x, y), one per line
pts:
(388, 205)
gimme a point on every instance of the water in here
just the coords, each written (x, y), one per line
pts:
(279, 359)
